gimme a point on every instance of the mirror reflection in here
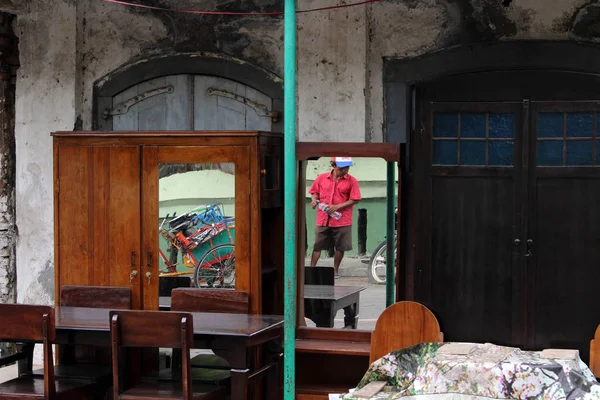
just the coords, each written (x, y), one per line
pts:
(196, 226)
(345, 242)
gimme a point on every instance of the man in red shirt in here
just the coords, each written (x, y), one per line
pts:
(340, 191)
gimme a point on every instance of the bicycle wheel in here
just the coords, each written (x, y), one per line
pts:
(216, 268)
(377, 265)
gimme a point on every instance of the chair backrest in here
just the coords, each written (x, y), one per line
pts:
(403, 324)
(153, 329)
(23, 322)
(113, 297)
(595, 353)
(210, 300)
(96, 297)
(319, 276)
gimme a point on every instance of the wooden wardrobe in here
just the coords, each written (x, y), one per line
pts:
(106, 208)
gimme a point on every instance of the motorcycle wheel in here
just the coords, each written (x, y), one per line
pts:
(376, 271)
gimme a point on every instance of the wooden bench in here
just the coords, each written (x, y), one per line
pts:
(329, 361)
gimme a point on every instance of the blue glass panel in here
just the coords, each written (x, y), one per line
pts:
(580, 125)
(550, 153)
(472, 152)
(502, 126)
(445, 152)
(472, 125)
(579, 152)
(445, 125)
(550, 125)
(501, 153)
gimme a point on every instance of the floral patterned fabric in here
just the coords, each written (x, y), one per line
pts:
(486, 370)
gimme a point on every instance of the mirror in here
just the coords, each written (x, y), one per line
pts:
(353, 295)
(196, 226)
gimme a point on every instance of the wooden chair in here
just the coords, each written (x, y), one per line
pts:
(30, 323)
(401, 325)
(89, 362)
(210, 300)
(595, 353)
(156, 329)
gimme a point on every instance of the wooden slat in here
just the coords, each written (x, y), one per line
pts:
(333, 347)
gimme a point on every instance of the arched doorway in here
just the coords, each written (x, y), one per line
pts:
(178, 86)
(503, 230)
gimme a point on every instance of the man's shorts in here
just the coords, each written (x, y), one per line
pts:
(340, 236)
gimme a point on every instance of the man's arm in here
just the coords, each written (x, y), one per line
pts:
(341, 206)
(315, 197)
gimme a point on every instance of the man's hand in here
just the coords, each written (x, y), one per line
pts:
(313, 204)
(333, 209)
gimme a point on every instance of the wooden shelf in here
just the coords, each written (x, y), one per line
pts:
(341, 347)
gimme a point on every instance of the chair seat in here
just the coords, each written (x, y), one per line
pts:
(32, 387)
(172, 390)
(219, 377)
(209, 361)
(96, 373)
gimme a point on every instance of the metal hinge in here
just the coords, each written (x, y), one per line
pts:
(126, 105)
(261, 109)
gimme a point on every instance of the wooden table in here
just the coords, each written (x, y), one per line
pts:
(230, 336)
(322, 302)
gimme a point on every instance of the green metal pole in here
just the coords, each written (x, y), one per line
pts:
(390, 261)
(289, 201)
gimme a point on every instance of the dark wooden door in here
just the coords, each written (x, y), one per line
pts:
(565, 225)
(98, 219)
(469, 177)
(506, 221)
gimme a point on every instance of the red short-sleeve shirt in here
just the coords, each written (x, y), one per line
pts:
(331, 192)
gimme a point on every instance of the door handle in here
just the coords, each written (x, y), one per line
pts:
(528, 248)
(149, 260)
(133, 260)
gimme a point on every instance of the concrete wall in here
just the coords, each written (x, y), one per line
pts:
(67, 45)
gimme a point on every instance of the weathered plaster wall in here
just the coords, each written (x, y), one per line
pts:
(331, 74)
(45, 102)
(8, 65)
(112, 35)
(67, 45)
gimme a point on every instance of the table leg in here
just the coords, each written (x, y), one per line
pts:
(238, 358)
(239, 383)
(25, 366)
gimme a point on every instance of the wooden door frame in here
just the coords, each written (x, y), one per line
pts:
(306, 151)
(154, 155)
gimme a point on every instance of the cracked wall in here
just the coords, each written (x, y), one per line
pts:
(8, 237)
(67, 45)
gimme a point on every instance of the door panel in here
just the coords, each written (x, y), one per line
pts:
(472, 266)
(470, 272)
(166, 111)
(190, 105)
(102, 224)
(566, 226)
(567, 310)
(73, 234)
(194, 156)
